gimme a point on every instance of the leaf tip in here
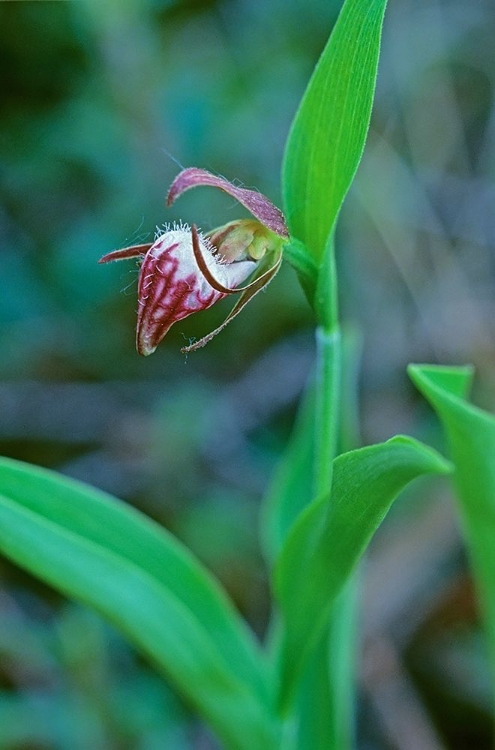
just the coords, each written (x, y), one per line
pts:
(451, 380)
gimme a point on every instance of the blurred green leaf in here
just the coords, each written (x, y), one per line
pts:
(97, 550)
(296, 253)
(329, 537)
(329, 131)
(326, 695)
(292, 485)
(326, 700)
(471, 434)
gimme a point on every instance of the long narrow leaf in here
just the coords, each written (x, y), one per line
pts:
(328, 134)
(95, 549)
(471, 434)
(328, 539)
(326, 699)
(292, 486)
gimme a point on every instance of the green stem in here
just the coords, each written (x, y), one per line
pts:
(328, 371)
(332, 668)
(327, 412)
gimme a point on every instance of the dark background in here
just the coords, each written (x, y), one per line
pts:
(101, 102)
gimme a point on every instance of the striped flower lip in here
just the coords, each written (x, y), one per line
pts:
(171, 285)
(183, 271)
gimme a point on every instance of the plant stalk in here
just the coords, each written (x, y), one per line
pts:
(328, 371)
(335, 654)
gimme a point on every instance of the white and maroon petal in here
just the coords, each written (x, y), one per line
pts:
(171, 286)
(260, 207)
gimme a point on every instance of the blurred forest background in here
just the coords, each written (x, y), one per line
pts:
(100, 103)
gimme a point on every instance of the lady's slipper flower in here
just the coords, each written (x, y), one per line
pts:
(183, 271)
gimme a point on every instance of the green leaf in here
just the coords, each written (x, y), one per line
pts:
(304, 265)
(95, 549)
(326, 700)
(329, 537)
(324, 705)
(329, 131)
(326, 695)
(292, 486)
(471, 434)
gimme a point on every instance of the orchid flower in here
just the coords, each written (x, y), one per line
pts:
(184, 271)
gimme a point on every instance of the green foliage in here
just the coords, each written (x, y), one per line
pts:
(107, 555)
(328, 134)
(471, 433)
(292, 487)
(303, 263)
(330, 535)
(326, 702)
(96, 550)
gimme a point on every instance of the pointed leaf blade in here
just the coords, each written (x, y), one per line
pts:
(329, 131)
(97, 550)
(471, 434)
(329, 537)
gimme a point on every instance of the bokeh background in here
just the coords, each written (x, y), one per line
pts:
(101, 103)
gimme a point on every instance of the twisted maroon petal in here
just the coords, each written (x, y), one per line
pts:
(212, 281)
(246, 296)
(260, 207)
(126, 252)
